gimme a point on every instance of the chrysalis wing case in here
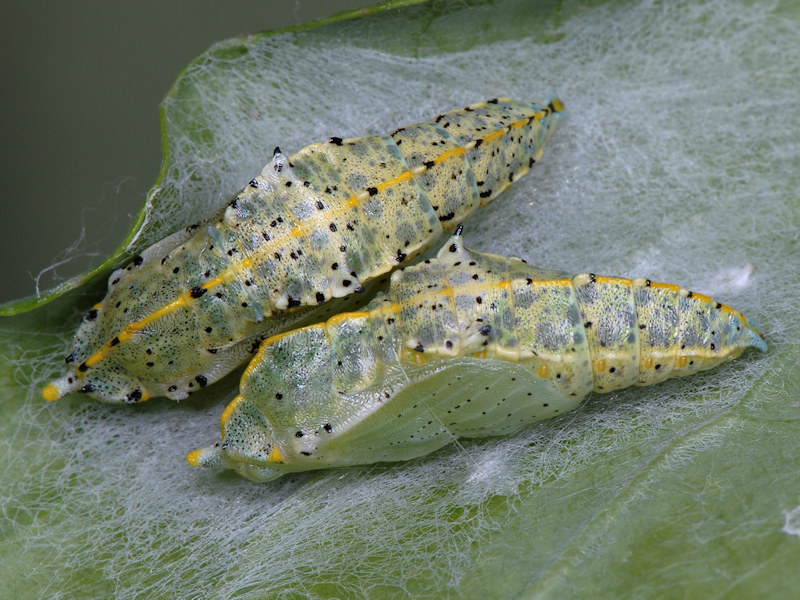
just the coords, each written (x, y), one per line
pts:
(314, 227)
(464, 345)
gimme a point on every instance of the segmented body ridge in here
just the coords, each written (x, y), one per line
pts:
(319, 225)
(463, 345)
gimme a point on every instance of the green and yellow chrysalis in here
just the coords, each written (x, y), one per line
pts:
(464, 345)
(311, 228)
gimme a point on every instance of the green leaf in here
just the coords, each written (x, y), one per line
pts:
(678, 161)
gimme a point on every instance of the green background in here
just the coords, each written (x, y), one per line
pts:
(82, 84)
(679, 161)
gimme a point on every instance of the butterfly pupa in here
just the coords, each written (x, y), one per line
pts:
(464, 345)
(318, 226)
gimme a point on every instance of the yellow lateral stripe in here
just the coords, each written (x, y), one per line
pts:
(617, 280)
(404, 176)
(164, 310)
(97, 356)
(211, 283)
(334, 320)
(702, 297)
(449, 154)
(265, 343)
(668, 286)
(226, 414)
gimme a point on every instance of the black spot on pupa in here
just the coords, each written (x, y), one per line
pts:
(134, 396)
(201, 380)
(91, 315)
(372, 191)
(320, 297)
(137, 261)
(197, 291)
(172, 388)
(327, 427)
(337, 141)
(292, 303)
(87, 389)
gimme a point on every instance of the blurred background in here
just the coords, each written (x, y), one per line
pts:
(82, 83)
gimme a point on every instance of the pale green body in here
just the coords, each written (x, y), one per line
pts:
(319, 225)
(464, 345)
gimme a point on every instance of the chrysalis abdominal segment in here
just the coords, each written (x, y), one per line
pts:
(464, 345)
(312, 228)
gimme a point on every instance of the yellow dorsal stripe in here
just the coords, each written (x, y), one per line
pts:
(297, 231)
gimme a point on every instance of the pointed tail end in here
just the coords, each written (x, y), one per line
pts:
(556, 105)
(755, 337)
(58, 388)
